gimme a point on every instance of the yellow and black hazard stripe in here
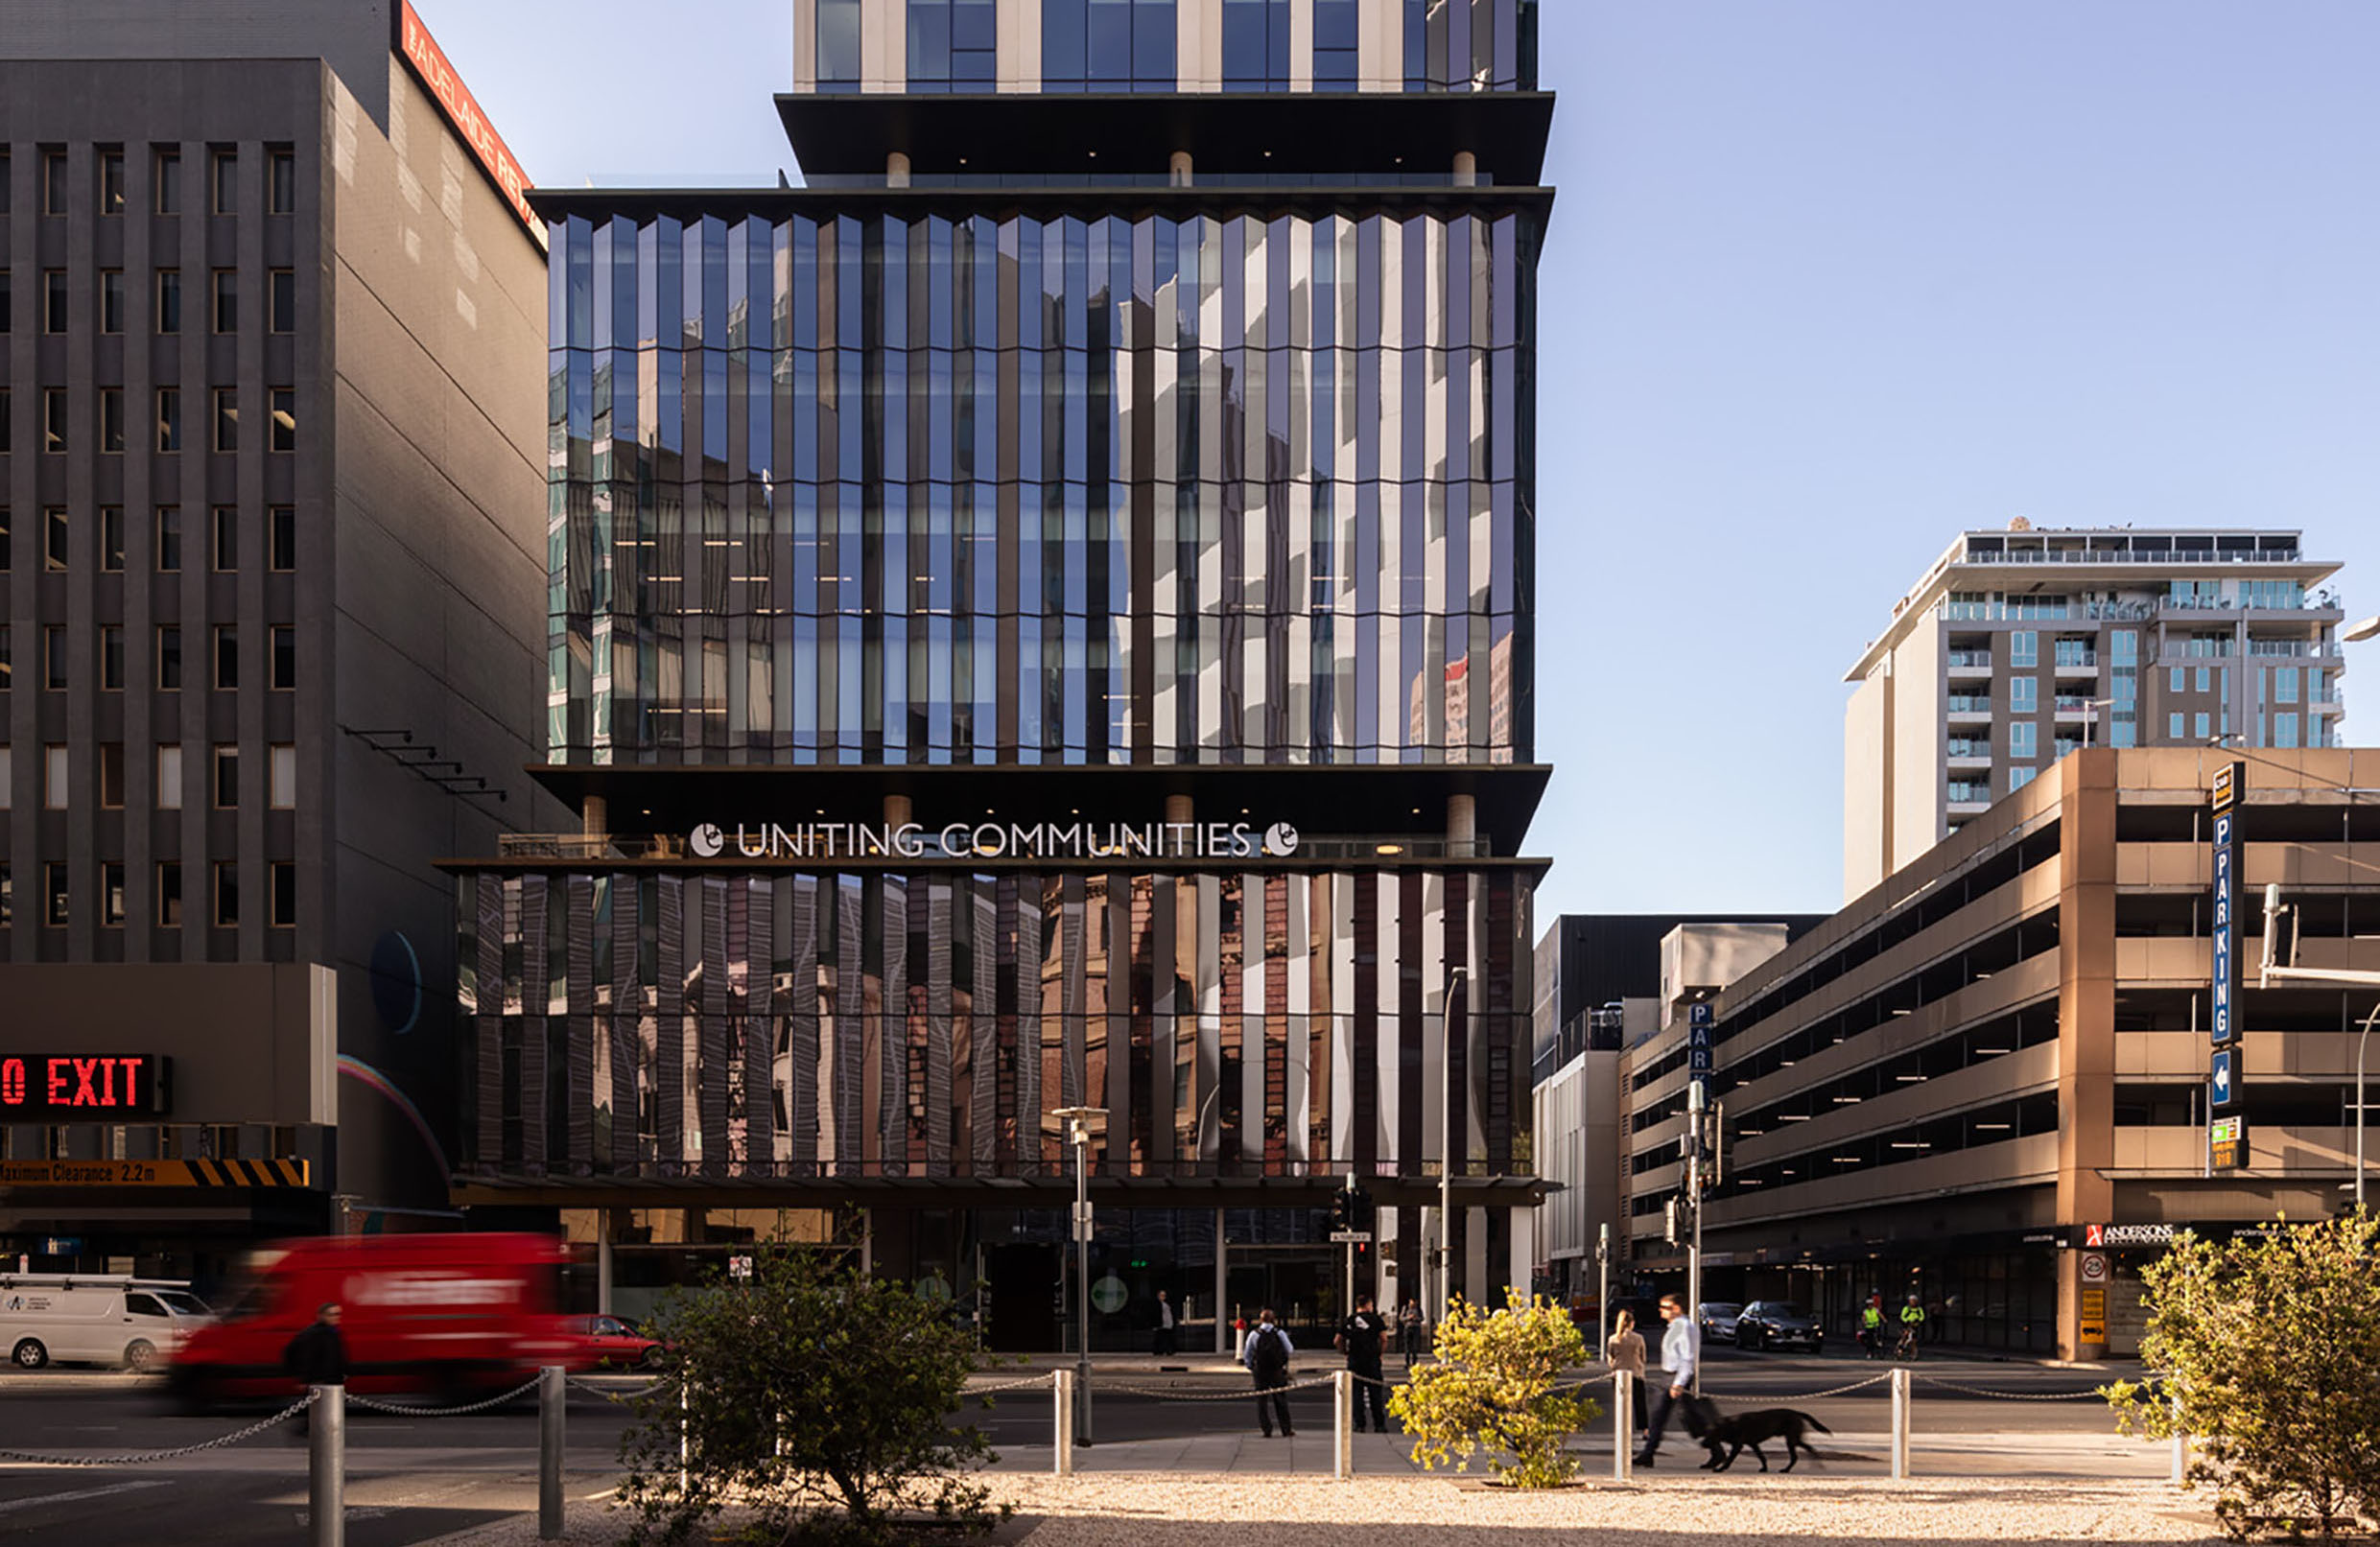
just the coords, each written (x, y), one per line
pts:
(247, 1173)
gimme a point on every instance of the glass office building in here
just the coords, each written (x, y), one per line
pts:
(1040, 616)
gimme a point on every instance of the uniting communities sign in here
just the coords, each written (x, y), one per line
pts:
(997, 840)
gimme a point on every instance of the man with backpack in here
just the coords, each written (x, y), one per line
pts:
(1267, 1354)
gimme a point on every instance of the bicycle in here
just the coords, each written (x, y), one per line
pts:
(1907, 1347)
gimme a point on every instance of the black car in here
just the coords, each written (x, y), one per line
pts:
(1777, 1324)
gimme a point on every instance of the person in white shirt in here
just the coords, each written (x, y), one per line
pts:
(1267, 1351)
(1165, 1325)
(1682, 1351)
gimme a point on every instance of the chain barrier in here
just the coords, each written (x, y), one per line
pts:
(614, 1394)
(142, 1458)
(1242, 1395)
(1009, 1384)
(2004, 1397)
(522, 1390)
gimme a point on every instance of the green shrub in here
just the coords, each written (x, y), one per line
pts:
(816, 1399)
(1490, 1391)
(2270, 1354)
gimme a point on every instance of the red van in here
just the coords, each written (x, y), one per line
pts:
(454, 1315)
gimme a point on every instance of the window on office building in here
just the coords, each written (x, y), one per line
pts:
(112, 775)
(2024, 647)
(283, 302)
(224, 289)
(112, 179)
(169, 300)
(282, 777)
(284, 436)
(227, 418)
(2024, 739)
(952, 46)
(284, 914)
(169, 658)
(226, 895)
(54, 534)
(284, 657)
(53, 182)
(2019, 778)
(8, 894)
(839, 45)
(2174, 731)
(2285, 685)
(169, 776)
(224, 521)
(111, 420)
(111, 300)
(1256, 45)
(1335, 27)
(2024, 695)
(111, 537)
(222, 181)
(169, 521)
(56, 789)
(53, 656)
(6, 671)
(168, 418)
(2284, 730)
(2205, 679)
(227, 656)
(282, 522)
(54, 305)
(111, 657)
(8, 778)
(55, 899)
(54, 420)
(170, 894)
(2205, 727)
(281, 180)
(111, 894)
(7, 319)
(224, 776)
(1107, 45)
(167, 168)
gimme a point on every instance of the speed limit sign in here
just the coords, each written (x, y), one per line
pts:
(2094, 1268)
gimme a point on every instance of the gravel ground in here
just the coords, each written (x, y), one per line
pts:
(1173, 1510)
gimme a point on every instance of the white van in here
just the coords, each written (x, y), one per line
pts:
(101, 1319)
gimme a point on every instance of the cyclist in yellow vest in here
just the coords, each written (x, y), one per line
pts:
(1912, 1326)
(1871, 1325)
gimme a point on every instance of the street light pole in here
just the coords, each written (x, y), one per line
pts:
(2267, 970)
(1694, 1201)
(1449, 1144)
(1078, 1134)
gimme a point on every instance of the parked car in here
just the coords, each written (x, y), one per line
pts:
(1718, 1320)
(612, 1343)
(99, 1319)
(458, 1315)
(1777, 1324)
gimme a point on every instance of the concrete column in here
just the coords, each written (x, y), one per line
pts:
(1477, 1286)
(1222, 1309)
(897, 810)
(1462, 819)
(595, 816)
(1466, 170)
(896, 169)
(1178, 166)
(602, 1272)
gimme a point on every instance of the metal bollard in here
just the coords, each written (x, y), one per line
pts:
(1901, 1424)
(1623, 1426)
(685, 1433)
(2181, 1447)
(1342, 1424)
(549, 1453)
(326, 1466)
(1062, 1401)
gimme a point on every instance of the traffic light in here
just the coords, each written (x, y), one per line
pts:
(1342, 1206)
(1359, 1212)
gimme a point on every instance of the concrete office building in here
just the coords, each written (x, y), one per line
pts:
(1966, 1078)
(271, 469)
(1606, 982)
(2018, 647)
(994, 585)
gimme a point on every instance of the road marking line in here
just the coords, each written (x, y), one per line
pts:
(78, 1495)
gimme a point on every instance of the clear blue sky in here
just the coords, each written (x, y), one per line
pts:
(1827, 282)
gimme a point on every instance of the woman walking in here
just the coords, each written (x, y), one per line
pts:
(1626, 1351)
(1409, 1333)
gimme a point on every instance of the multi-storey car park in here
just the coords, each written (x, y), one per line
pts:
(1998, 1059)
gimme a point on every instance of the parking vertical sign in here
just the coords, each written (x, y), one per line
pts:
(2225, 1071)
(1698, 1043)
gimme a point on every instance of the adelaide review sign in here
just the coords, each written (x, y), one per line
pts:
(994, 840)
(58, 1088)
(437, 77)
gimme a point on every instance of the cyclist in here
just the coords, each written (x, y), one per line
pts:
(1871, 1325)
(1912, 1328)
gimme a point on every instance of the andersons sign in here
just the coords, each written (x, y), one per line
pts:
(996, 840)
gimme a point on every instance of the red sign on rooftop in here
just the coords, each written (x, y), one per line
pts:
(429, 62)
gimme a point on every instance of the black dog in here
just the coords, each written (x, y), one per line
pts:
(1753, 1429)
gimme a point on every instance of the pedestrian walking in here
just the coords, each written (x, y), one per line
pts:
(1409, 1333)
(317, 1357)
(1163, 1345)
(1625, 1350)
(1680, 1355)
(1266, 1354)
(1364, 1338)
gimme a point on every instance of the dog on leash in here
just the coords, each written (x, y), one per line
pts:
(1728, 1438)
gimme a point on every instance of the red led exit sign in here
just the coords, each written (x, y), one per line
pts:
(61, 1087)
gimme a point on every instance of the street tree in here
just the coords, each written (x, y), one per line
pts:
(1493, 1391)
(2268, 1354)
(814, 1403)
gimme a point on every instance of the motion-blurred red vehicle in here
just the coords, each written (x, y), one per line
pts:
(455, 1315)
(613, 1343)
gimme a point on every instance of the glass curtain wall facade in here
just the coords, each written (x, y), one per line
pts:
(1174, 529)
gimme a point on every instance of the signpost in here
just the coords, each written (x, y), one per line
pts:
(2226, 1072)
